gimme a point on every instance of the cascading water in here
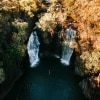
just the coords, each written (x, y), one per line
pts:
(67, 49)
(33, 49)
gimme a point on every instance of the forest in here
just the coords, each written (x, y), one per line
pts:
(51, 17)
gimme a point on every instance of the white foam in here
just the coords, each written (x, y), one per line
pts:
(33, 49)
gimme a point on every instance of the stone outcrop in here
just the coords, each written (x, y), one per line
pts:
(91, 87)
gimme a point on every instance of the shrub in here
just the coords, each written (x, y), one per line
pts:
(88, 63)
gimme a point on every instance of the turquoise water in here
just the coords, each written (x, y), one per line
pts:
(50, 80)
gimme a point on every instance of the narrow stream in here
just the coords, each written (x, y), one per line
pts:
(49, 80)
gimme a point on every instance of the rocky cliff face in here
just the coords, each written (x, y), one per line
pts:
(91, 87)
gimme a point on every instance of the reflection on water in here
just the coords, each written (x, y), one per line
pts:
(50, 80)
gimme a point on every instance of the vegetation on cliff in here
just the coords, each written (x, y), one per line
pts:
(17, 18)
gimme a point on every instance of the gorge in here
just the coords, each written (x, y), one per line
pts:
(67, 60)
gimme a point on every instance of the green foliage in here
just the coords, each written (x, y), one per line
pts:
(13, 56)
(16, 49)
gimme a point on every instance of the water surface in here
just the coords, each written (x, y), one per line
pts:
(50, 80)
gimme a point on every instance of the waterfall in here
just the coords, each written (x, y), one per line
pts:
(33, 49)
(67, 49)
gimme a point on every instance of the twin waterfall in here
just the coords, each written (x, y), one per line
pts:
(67, 49)
(33, 49)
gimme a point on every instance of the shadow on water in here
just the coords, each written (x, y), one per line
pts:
(50, 80)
